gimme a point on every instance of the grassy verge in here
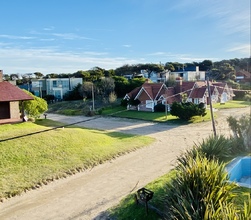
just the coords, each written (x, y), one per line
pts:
(128, 209)
(232, 104)
(31, 161)
(152, 116)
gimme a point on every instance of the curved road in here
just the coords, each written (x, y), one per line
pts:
(88, 194)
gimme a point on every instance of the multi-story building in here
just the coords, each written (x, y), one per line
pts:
(54, 86)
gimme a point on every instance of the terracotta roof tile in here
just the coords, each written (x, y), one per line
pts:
(198, 92)
(9, 92)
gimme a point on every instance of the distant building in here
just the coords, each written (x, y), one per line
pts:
(54, 86)
(151, 94)
(189, 74)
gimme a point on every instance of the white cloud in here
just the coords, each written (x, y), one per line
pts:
(49, 28)
(173, 57)
(49, 60)
(12, 37)
(127, 45)
(244, 49)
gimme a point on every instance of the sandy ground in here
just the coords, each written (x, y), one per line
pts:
(88, 194)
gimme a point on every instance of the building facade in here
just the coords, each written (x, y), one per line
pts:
(57, 87)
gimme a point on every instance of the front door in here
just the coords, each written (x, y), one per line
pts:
(4, 110)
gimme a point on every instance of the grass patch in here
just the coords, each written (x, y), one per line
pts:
(232, 104)
(128, 209)
(153, 116)
(31, 161)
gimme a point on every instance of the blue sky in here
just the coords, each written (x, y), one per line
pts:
(64, 36)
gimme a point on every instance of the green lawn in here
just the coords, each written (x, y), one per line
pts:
(152, 116)
(120, 111)
(33, 160)
(232, 104)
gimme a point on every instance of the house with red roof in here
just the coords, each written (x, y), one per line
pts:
(243, 76)
(151, 94)
(10, 97)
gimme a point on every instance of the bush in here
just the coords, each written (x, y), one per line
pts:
(159, 108)
(199, 190)
(34, 108)
(124, 102)
(241, 129)
(186, 110)
(219, 148)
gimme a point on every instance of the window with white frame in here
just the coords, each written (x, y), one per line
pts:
(149, 103)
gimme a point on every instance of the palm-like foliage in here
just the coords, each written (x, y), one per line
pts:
(218, 148)
(199, 190)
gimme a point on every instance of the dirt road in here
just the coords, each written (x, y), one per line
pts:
(87, 194)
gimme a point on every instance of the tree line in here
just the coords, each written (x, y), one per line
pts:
(219, 70)
(114, 81)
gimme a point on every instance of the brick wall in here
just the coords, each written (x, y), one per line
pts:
(14, 110)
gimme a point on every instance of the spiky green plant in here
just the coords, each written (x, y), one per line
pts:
(218, 148)
(198, 190)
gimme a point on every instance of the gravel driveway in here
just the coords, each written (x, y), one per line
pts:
(88, 194)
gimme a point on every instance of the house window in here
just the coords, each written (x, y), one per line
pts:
(65, 84)
(149, 103)
(54, 83)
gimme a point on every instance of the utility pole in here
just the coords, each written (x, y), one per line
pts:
(93, 98)
(211, 108)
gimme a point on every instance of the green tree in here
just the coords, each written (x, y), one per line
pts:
(96, 73)
(38, 75)
(34, 108)
(171, 82)
(82, 74)
(205, 65)
(169, 66)
(121, 86)
(86, 89)
(6, 77)
(106, 86)
(75, 94)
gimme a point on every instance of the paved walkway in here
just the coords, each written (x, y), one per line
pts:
(87, 194)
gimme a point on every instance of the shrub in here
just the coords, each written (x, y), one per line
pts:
(199, 190)
(241, 129)
(124, 102)
(186, 110)
(219, 148)
(159, 108)
(34, 108)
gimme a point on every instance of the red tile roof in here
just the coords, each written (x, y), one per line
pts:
(244, 73)
(134, 92)
(9, 93)
(171, 96)
(198, 92)
(152, 89)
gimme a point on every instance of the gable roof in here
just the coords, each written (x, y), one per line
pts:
(133, 93)
(170, 95)
(244, 73)
(10, 93)
(151, 89)
(198, 92)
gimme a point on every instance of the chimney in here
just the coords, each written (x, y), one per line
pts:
(178, 87)
(1, 75)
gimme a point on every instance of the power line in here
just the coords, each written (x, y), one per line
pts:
(38, 132)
